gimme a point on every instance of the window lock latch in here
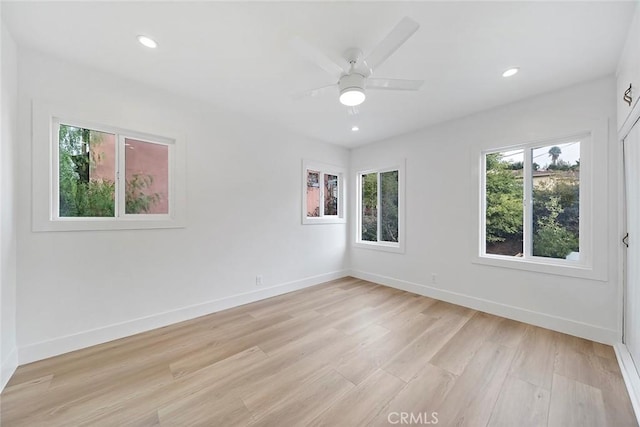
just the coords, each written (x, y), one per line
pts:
(627, 96)
(625, 240)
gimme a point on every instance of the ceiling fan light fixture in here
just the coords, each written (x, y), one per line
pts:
(356, 70)
(352, 89)
(147, 42)
(511, 72)
(352, 97)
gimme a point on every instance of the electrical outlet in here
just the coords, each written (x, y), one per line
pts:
(434, 278)
(259, 280)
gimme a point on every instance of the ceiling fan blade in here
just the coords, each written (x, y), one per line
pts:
(314, 92)
(393, 84)
(315, 55)
(400, 34)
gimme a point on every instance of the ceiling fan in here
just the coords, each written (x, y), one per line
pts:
(354, 74)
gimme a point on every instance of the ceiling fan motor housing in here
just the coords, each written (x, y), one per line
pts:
(353, 81)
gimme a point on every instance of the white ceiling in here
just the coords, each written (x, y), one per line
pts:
(237, 55)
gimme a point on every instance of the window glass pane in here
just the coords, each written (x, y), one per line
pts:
(556, 200)
(389, 206)
(147, 177)
(504, 203)
(369, 223)
(313, 193)
(330, 195)
(87, 172)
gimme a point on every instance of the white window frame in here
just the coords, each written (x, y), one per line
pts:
(45, 210)
(323, 169)
(585, 266)
(398, 247)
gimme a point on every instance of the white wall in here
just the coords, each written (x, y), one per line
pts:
(244, 204)
(442, 212)
(8, 153)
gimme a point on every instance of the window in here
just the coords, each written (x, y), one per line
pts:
(100, 177)
(105, 174)
(323, 194)
(380, 209)
(532, 202)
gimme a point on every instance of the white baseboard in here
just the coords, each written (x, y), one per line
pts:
(560, 324)
(42, 350)
(8, 367)
(630, 375)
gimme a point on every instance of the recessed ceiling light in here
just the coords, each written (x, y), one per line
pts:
(510, 72)
(148, 42)
(355, 128)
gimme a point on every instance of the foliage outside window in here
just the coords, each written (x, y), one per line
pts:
(330, 195)
(86, 172)
(322, 194)
(532, 201)
(108, 175)
(379, 208)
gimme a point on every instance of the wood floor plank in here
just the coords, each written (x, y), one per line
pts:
(302, 304)
(264, 396)
(205, 410)
(521, 404)
(352, 283)
(604, 350)
(18, 400)
(363, 403)
(370, 314)
(280, 335)
(422, 395)
(574, 404)
(460, 349)
(535, 357)
(474, 394)
(587, 367)
(508, 333)
(617, 408)
(370, 334)
(347, 352)
(215, 380)
(361, 362)
(409, 361)
(217, 350)
(441, 308)
(157, 345)
(573, 344)
(399, 319)
(58, 405)
(305, 402)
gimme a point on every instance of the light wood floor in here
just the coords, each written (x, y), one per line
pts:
(345, 353)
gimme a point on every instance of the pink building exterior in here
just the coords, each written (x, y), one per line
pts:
(313, 193)
(144, 158)
(313, 201)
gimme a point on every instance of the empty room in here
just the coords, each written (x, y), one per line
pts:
(320, 213)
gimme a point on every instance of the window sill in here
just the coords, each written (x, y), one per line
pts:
(323, 220)
(558, 268)
(102, 224)
(380, 246)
